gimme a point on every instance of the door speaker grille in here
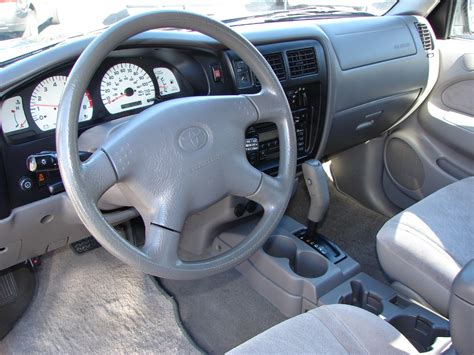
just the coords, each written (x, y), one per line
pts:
(404, 164)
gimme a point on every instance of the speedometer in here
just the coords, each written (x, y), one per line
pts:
(45, 100)
(126, 86)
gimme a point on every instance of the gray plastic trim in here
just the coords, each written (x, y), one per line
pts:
(44, 225)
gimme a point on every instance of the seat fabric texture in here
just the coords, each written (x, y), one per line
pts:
(425, 246)
(332, 329)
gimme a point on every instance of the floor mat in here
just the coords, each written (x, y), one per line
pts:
(92, 303)
(222, 311)
(17, 287)
(349, 224)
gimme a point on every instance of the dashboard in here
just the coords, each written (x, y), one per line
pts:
(341, 77)
(131, 80)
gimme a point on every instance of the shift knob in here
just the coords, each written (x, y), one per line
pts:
(315, 179)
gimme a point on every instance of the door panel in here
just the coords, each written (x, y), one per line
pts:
(435, 146)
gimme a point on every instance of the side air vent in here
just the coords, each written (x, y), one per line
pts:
(276, 62)
(302, 62)
(425, 36)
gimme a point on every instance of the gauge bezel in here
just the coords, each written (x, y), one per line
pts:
(148, 104)
(31, 102)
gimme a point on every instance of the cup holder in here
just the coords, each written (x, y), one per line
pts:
(419, 331)
(305, 264)
(361, 298)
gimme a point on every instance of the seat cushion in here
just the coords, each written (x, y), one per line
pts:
(333, 329)
(425, 246)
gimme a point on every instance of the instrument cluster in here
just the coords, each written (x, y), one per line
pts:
(120, 87)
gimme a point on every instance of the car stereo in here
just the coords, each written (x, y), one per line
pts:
(261, 140)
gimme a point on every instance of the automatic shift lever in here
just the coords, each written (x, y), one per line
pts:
(317, 185)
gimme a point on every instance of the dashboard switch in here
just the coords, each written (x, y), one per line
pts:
(56, 188)
(44, 161)
(48, 161)
(25, 183)
(216, 73)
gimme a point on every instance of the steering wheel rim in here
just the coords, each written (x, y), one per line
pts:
(165, 206)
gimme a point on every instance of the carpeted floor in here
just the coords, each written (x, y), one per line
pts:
(349, 224)
(92, 303)
(222, 311)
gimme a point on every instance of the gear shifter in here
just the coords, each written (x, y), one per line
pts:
(317, 185)
(315, 179)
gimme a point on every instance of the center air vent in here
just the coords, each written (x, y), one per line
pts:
(302, 62)
(276, 62)
(425, 36)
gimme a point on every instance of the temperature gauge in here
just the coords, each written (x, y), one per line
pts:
(12, 115)
(167, 82)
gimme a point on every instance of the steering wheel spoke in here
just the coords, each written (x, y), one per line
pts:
(269, 105)
(268, 194)
(99, 174)
(161, 245)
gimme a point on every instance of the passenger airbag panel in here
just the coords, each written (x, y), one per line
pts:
(359, 43)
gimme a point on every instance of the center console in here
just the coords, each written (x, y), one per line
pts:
(295, 278)
(298, 269)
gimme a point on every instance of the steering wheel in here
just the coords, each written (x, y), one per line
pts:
(177, 157)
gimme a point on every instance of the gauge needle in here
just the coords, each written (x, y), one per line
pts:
(116, 98)
(14, 117)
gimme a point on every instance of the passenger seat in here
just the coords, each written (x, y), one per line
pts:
(424, 247)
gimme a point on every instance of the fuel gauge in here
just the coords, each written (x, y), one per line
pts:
(12, 115)
(167, 82)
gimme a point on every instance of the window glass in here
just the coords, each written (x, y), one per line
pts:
(463, 20)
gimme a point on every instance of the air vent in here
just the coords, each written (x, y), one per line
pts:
(276, 62)
(425, 36)
(302, 62)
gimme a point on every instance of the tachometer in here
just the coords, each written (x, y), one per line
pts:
(126, 86)
(45, 100)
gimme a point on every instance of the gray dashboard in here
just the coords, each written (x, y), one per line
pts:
(375, 70)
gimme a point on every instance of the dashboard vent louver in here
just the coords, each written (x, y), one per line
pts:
(302, 62)
(425, 36)
(276, 62)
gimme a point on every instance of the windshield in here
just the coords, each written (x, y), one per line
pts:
(31, 25)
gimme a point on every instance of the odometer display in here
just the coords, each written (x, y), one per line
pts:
(44, 103)
(126, 86)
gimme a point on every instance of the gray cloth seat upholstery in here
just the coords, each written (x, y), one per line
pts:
(425, 246)
(333, 329)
